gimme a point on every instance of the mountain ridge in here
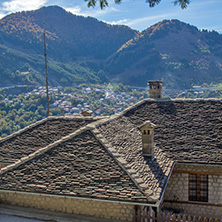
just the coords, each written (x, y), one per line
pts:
(63, 29)
(83, 49)
(173, 51)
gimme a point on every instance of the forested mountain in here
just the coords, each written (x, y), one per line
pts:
(76, 45)
(173, 51)
(83, 49)
(17, 67)
(69, 37)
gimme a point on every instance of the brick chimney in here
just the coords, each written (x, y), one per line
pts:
(147, 129)
(155, 89)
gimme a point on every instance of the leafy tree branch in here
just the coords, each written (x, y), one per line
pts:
(104, 3)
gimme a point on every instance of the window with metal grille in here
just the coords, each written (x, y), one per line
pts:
(198, 187)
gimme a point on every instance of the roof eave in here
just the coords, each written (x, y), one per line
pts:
(151, 203)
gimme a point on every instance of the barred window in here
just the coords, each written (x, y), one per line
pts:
(198, 187)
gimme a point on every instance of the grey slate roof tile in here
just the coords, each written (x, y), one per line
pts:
(186, 131)
(69, 168)
(107, 161)
(41, 135)
(126, 139)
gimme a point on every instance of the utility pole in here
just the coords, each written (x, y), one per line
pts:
(46, 76)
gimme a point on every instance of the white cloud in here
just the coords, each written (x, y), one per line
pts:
(143, 22)
(148, 19)
(74, 10)
(2, 15)
(122, 22)
(20, 5)
(93, 12)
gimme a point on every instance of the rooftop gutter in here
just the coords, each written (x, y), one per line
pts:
(198, 164)
(164, 188)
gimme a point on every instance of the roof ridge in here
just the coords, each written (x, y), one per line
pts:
(168, 171)
(138, 181)
(197, 99)
(31, 126)
(116, 116)
(122, 113)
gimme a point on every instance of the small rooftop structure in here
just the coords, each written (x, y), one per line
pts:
(87, 112)
(155, 89)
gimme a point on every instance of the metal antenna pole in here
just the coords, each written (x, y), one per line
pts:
(46, 76)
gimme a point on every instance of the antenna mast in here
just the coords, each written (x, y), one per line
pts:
(46, 76)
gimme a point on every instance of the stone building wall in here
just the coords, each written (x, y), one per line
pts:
(99, 209)
(215, 189)
(177, 187)
(177, 192)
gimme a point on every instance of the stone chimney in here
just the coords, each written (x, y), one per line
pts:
(155, 89)
(147, 129)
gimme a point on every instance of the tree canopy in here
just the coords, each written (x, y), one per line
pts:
(103, 3)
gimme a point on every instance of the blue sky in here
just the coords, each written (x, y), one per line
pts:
(205, 14)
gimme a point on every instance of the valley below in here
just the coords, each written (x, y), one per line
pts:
(22, 105)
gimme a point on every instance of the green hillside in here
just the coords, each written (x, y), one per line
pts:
(75, 47)
(85, 50)
(173, 51)
(69, 37)
(20, 68)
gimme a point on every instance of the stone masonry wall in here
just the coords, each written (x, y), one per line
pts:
(176, 194)
(92, 208)
(215, 189)
(177, 187)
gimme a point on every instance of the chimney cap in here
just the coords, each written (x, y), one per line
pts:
(148, 123)
(155, 82)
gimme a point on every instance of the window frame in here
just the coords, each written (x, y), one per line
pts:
(201, 187)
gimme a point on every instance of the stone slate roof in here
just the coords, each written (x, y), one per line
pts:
(103, 159)
(38, 135)
(80, 166)
(186, 131)
(125, 138)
